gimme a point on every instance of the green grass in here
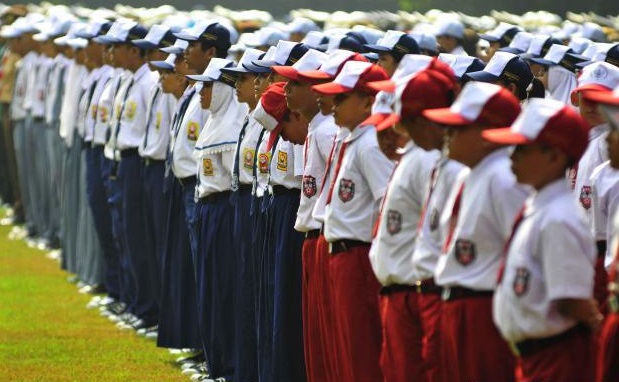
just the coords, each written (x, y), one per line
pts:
(47, 334)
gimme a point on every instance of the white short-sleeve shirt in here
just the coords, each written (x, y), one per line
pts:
(105, 106)
(393, 246)
(286, 168)
(24, 67)
(40, 91)
(358, 189)
(429, 243)
(605, 183)
(320, 134)
(490, 201)
(550, 257)
(247, 150)
(157, 135)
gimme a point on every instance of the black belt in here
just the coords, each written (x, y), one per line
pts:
(601, 246)
(151, 161)
(244, 188)
(187, 181)
(528, 347)
(128, 153)
(279, 190)
(313, 234)
(427, 286)
(340, 246)
(456, 293)
(213, 198)
(97, 147)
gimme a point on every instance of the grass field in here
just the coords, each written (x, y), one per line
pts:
(47, 334)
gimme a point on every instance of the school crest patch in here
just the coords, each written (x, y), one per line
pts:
(585, 197)
(158, 118)
(309, 186)
(346, 191)
(465, 251)
(193, 129)
(521, 282)
(248, 158)
(282, 161)
(131, 110)
(394, 222)
(434, 219)
(263, 162)
(104, 114)
(207, 167)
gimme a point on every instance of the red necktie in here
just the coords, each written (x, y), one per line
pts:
(337, 171)
(517, 221)
(453, 221)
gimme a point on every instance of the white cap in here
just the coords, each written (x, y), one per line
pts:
(179, 47)
(302, 25)
(598, 74)
(450, 27)
(426, 41)
(521, 42)
(267, 36)
(314, 39)
(311, 60)
(593, 32)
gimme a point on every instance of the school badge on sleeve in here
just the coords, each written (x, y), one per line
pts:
(248, 158)
(346, 191)
(207, 167)
(434, 219)
(158, 119)
(131, 110)
(282, 161)
(521, 282)
(193, 129)
(394, 222)
(263, 162)
(309, 186)
(585, 197)
(104, 114)
(465, 251)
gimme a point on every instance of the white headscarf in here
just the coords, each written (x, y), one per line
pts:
(561, 82)
(221, 131)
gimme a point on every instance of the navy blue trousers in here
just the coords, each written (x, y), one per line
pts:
(138, 246)
(215, 279)
(280, 290)
(97, 199)
(155, 210)
(178, 314)
(246, 356)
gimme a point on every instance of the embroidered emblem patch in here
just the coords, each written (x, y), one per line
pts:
(465, 251)
(309, 186)
(130, 110)
(104, 114)
(394, 222)
(282, 161)
(158, 118)
(346, 191)
(263, 162)
(521, 282)
(207, 167)
(434, 219)
(585, 197)
(193, 130)
(248, 158)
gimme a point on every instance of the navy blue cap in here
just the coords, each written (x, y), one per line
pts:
(292, 56)
(515, 70)
(165, 41)
(251, 68)
(215, 33)
(396, 43)
(612, 56)
(504, 39)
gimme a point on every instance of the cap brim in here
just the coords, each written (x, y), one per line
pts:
(264, 63)
(256, 69)
(591, 88)
(583, 64)
(315, 75)
(105, 40)
(481, 76)
(200, 78)
(377, 48)
(172, 50)
(385, 86)
(144, 44)
(331, 88)
(504, 136)
(541, 61)
(162, 65)
(511, 50)
(444, 116)
(606, 97)
(234, 71)
(382, 121)
(185, 36)
(375, 119)
(488, 37)
(286, 71)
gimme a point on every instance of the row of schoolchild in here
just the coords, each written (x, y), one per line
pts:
(337, 205)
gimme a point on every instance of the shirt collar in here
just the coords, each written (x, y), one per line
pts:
(540, 198)
(598, 130)
(359, 131)
(481, 167)
(316, 121)
(141, 72)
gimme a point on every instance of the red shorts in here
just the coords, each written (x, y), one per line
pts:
(608, 357)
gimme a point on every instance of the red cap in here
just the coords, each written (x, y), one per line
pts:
(311, 60)
(549, 122)
(355, 75)
(271, 110)
(332, 67)
(479, 102)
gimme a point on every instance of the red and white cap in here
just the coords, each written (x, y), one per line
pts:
(549, 122)
(332, 66)
(272, 107)
(410, 64)
(479, 102)
(597, 77)
(311, 60)
(608, 97)
(381, 110)
(355, 75)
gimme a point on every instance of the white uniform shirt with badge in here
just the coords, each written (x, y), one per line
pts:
(24, 67)
(320, 207)
(70, 101)
(105, 105)
(359, 188)
(31, 87)
(605, 183)
(82, 106)
(157, 135)
(286, 167)
(392, 248)
(594, 156)
(247, 150)
(55, 83)
(429, 243)
(134, 111)
(459, 51)
(40, 90)
(119, 97)
(263, 162)
(90, 119)
(320, 134)
(550, 257)
(490, 202)
(185, 133)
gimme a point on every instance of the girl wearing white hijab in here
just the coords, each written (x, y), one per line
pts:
(215, 261)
